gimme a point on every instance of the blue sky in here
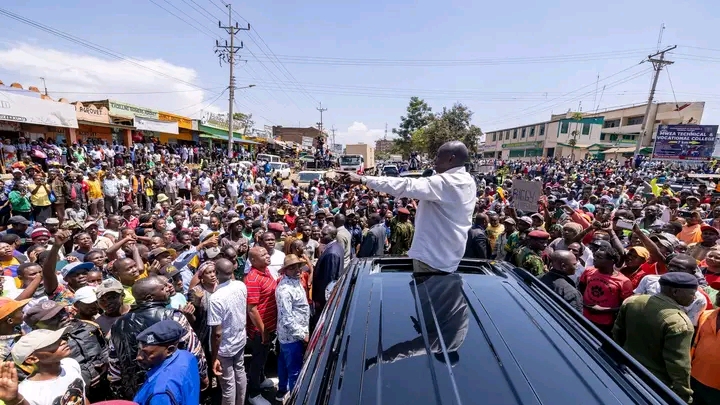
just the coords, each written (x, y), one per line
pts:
(363, 60)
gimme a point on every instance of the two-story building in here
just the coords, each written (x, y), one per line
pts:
(612, 133)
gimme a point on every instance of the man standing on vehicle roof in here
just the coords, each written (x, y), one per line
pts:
(444, 214)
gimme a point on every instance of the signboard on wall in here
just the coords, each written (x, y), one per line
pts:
(30, 110)
(91, 113)
(307, 141)
(125, 110)
(685, 142)
(168, 127)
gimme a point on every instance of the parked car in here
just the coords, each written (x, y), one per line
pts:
(282, 168)
(489, 333)
(306, 177)
(390, 171)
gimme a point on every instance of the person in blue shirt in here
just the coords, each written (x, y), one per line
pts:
(173, 377)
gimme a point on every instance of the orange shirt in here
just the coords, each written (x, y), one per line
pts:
(690, 234)
(705, 352)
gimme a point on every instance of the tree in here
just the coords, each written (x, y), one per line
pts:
(246, 120)
(451, 125)
(419, 115)
(577, 118)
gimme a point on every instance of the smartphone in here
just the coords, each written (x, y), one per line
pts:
(623, 224)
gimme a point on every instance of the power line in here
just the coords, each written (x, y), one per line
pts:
(203, 31)
(92, 46)
(202, 102)
(203, 11)
(126, 92)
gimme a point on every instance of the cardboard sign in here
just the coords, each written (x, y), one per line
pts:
(525, 195)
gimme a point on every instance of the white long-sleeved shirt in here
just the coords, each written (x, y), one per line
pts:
(444, 215)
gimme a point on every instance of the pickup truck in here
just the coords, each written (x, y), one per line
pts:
(489, 333)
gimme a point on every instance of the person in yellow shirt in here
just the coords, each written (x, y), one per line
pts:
(494, 229)
(96, 204)
(40, 199)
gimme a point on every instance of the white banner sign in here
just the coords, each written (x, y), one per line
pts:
(307, 141)
(168, 127)
(525, 195)
(18, 108)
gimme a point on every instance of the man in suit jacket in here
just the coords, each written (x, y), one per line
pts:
(478, 245)
(373, 243)
(328, 269)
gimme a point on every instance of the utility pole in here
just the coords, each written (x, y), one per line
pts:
(333, 135)
(385, 137)
(226, 53)
(658, 64)
(322, 110)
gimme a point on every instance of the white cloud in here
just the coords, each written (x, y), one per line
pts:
(359, 133)
(79, 77)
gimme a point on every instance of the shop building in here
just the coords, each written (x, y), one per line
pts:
(185, 130)
(94, 124)
(307, 137)
(605, 134)
(143, 123)
(213, 131)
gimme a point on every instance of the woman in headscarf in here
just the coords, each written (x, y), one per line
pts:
(635, 257)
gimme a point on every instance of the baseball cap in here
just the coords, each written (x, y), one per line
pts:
(107, 286)
(18, 220)
(9, 305)
(75, 267)
(207, 234)
(37, 339)
(161, 333)
(86, 295)
(42, 312)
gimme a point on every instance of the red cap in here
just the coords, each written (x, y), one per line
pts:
(709, 228)
(538, 234)
(403, 211)
(276, 227)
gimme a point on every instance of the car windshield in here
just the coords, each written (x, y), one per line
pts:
(350, 160)
(308, 177)
(390, 170)
(276, 165)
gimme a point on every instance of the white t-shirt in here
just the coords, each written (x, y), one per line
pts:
(650, 284)
(227, 306)
(277, 258)
(67, 389)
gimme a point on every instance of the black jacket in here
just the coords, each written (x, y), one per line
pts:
(123, 336)
(565, 287)
(89, 347)
(477, 246)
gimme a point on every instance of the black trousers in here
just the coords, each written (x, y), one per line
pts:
(256, 369)
(704, 395)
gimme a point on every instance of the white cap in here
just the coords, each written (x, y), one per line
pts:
(34, 340)
(86, 295)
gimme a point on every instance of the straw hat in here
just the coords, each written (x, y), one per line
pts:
(291, 260)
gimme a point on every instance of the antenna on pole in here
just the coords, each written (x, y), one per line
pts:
(44, 85)
(659, 42)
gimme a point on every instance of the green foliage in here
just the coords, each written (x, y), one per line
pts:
(419, 115)
(424, 132)
(246, 119)
(452, 125)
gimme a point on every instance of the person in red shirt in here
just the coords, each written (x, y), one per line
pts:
(262, 314)
(290, 217)
(603, 288)
(634, 259)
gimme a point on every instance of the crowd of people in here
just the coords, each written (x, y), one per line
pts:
(151, 282)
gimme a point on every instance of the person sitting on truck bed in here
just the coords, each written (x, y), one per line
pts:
(444, 215)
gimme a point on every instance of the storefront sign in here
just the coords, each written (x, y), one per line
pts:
(9, 126)
(92, 113)
(157, 126)
(87, 134)
(183, 122)
(685, 142)
(125, 110)
(220, 121)
(307, 141)
(18, 108)
(522, 145)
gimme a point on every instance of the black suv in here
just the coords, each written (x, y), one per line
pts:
(488, 334)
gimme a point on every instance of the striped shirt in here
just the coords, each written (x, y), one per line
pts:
(261, 292)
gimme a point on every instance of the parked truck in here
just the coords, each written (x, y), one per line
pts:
(358, 158)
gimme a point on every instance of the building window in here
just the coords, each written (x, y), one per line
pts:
(514, 133)
(522, 133)
(611, 124)
(602, 137)
(517, 153)
(613, 137)
(542, 130)
(635, 120)
(532, 131)
(494, 137)
(586, 129)
(628, 137)
(564, 127)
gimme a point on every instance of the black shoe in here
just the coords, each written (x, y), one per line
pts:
(280, 396)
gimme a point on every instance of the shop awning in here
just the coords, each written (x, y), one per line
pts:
(17, 107)
(211, 136)
(245, 141)
(620, 150)
(105, 125)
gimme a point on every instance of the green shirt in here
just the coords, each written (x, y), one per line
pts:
(530, 261)
(19, 202)
(655, 330)
(401, 236)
